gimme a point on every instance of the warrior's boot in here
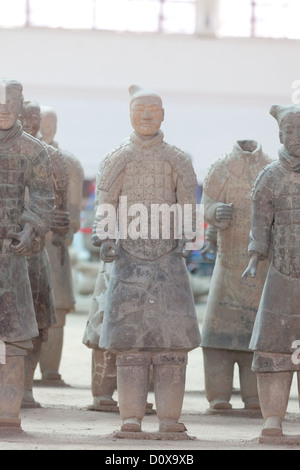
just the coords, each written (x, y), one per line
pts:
(248, 381)
(218, 367)
(31, 362)
(274, 390)
(52, 351)
(11, 391)
(104, 377)
(133, 384)
(169, 384)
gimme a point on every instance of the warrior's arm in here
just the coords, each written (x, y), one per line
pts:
(76, 178)
(262, 219)
(39, 211)
(107, 192)
(37, 216)
(216, 213)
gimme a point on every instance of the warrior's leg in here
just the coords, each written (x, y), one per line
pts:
(11, 391)
(52, 350)
(248, 381)
(104, 377)
(218, 372)
(169, 372)
(274, 391)
(133, 382)
(31, 362)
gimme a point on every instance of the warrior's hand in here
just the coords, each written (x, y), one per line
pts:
(109, 251)
(224, 212)
(251, 270)
(22, 241)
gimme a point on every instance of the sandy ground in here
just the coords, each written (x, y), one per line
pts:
(64, 423)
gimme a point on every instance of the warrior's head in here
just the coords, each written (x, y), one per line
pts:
(146, 111)
(11, 99)
(48, 124)
(288, 118)
(30, 117)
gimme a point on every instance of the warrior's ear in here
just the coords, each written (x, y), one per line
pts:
(274, 110)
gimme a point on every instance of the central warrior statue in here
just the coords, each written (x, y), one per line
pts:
(149, 315)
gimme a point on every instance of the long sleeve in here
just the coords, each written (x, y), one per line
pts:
(214, 193)
(210, 208)
(41, 205)
(76, 178)
(106, 205)
(262, 216)
(186, 196)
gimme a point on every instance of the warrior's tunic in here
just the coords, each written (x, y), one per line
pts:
(232, 305)
(23, 163)
(149, 303)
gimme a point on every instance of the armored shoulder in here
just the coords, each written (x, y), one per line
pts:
(31, 146)
(37, 154)
(216, 178)
(264, 182)
(182, 164)
(112, 166)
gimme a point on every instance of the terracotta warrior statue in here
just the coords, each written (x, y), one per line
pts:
(24, 163)
(275, 227)
(231, 306)
(39, 265)
(149, 315)
(104, 369)
(61, 272)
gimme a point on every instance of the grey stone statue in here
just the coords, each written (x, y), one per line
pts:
(104, 370)
(39, 265)
(24, 163)
(61, 273)
(231, 306)
(149, 315)
(275, 228)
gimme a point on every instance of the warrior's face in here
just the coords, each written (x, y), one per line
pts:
(48, 126)
(290, 134)
(30, 118)
(146, 114)
(10, 105)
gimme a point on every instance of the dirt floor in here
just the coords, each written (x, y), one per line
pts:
(64, 423)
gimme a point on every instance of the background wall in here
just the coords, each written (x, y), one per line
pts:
(215, 91)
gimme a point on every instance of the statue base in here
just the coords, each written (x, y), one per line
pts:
(51, 383)
(10, 424)
(235, 412)
(280, 440)
(155, 436)
(31, 404)
(105, 408)
(115, 409)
